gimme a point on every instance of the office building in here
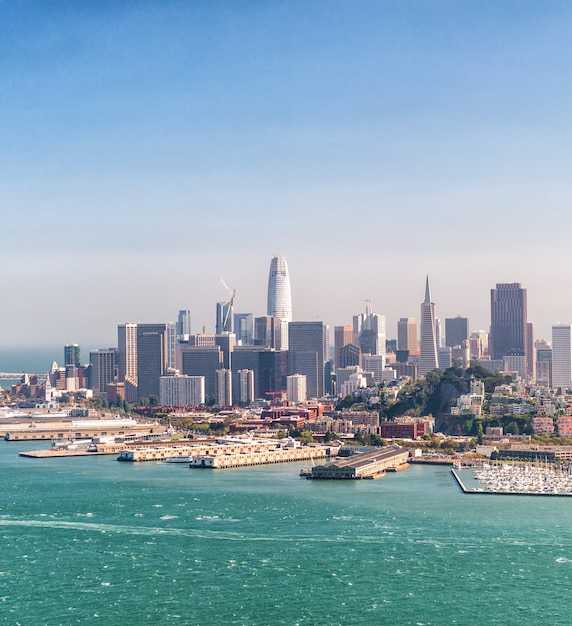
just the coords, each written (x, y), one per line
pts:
(279, 303)
(350, 355)
(343, 335)
(224, 317)
(508, 321)
(428, 359)
(561, 356)
(456, 330)
(152, 358)
(184, 324)
(374, 363)
(407, 335)
(369, 328)
(306, 355)
(102, 364)
(72, 355)
(244, 328)
(202, 361)
(226, 342)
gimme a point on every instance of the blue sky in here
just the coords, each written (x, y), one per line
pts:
(149, 148)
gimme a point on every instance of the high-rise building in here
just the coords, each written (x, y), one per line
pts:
(296, 388)
(244, 385)
(456, 330)
(343, 335)
(369, 328)
(350, 354)
(181, 390)
(152, 358)
(224, 317)
(102, 370)
(306, 355)
(127, 349)
(202, 361)
(438, 333)
(407, 335)
(244, 328)
(72, 355)
(223, 388)
(508, 321)
(184, 324)
(561, 356)
(280, 298)
(428, 359)
(530, 353)
(226, 342)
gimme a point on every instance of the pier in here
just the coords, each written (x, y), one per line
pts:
(359, 466)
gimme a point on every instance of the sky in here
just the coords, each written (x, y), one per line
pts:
(150, 148)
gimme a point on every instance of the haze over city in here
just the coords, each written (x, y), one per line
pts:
(150, 149)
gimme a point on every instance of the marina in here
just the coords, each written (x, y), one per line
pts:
(519, 480)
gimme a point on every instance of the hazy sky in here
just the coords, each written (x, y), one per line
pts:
(150, 148)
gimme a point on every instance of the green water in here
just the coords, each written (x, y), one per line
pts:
(90, 540)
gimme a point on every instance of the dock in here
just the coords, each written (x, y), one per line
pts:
(367, 465)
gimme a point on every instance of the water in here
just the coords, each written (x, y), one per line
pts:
(87, 540)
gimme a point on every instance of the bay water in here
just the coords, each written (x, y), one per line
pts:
(91, 540)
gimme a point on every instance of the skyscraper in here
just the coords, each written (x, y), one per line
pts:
(561, 356)
(343, 335)
(102, 370)
(152, 358)
(71, 354)
(407, 335)
(184, 323)
(508, 321)
(369, 328)
(280, 298)
(306, 355)
(428, 345)
(127, 348)
(456, 330)
(224, 317)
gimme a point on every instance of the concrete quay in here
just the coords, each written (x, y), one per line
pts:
(68, 430)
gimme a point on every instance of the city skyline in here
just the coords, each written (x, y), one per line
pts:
(150, 150)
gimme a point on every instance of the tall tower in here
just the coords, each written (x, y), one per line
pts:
(561, 356)
(127, 347)
(306, 355)
(508, 321)
(428, 345)
(280, 297)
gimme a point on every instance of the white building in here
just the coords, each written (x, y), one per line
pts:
(182, 390)
(561, 356)
(280, 297)
(296, 388)
(223, 387)
(374, 363)
(245, 386)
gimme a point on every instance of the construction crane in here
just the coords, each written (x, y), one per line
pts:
(228, 306)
